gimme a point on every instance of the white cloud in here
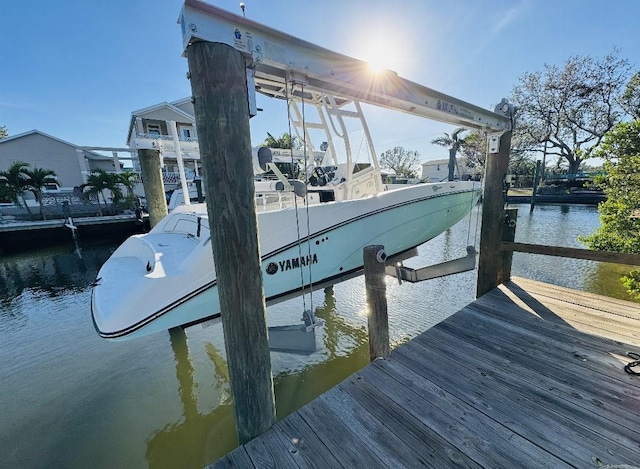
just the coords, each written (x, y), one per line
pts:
(506, 19)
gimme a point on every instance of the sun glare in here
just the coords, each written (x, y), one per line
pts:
(375, 66)
(380, 56)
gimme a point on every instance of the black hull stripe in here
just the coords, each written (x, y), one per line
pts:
(360, 217)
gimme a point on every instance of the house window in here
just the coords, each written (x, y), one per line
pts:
(186, 133)
(153, 129)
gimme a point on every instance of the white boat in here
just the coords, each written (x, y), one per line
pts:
(166, 278)
(309, 234)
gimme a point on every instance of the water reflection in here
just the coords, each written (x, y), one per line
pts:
(191, 441)
(345, 350)
(339, 334)
(31, 278)
(605, 280)
(52, 271)
(200, 437)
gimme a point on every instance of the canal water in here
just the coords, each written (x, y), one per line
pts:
(70, 399)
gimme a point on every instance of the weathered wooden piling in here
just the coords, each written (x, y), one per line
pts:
(219, 85)
(493, 201)
(151, 169)
(378, 320)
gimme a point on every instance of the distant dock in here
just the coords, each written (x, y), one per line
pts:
(21, 235)
(582, 197)
(528, 375)
(577, 199)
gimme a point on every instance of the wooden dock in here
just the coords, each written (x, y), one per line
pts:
(529, 375)
(27, 235)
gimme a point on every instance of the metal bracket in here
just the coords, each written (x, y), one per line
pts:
(508, 221)
(147, 144)
(454, 266)
(493, 142)
(310, 320)
(296, 339)
(251, 92)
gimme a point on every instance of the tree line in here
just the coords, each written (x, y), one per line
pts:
(564, 112)
(589, 108)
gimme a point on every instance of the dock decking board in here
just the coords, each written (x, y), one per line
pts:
(433, 448)
(543, 416)
(529, 375)
(548, 390)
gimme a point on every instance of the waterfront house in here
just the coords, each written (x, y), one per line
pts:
(438, 170)
(162, 126)
(70, 162)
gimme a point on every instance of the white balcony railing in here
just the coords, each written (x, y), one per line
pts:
(188, 145)
(164, 137)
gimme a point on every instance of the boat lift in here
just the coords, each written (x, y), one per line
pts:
(277, 58)
(276, 61)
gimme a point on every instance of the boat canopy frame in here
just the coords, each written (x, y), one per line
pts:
(275, 58)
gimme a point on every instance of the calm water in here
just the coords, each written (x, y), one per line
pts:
(71, 399)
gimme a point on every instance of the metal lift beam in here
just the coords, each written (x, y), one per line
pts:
(280, 57)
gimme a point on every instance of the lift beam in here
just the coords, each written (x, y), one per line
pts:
(276, 57)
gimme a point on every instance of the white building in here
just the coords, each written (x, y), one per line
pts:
(438, 170)
(161, 126)
(70, 162)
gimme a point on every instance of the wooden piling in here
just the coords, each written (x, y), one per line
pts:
(219, 86)
(374, 278)
(452, 164)
(151, 169)
(534, 189)
(493, 201)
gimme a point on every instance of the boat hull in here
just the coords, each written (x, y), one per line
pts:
(399, 220)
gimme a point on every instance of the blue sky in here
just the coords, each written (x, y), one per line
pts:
(76, 69)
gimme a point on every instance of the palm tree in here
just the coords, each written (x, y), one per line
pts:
(112, 183)
(454, 143)
(96, 183)
(37, 179)
(6, 193)
(129, 179)
(285, 142)
(15, 182)
(99, 181)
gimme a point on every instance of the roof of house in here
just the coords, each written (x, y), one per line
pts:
(172, 105)
(87, 153)
(434, 162)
